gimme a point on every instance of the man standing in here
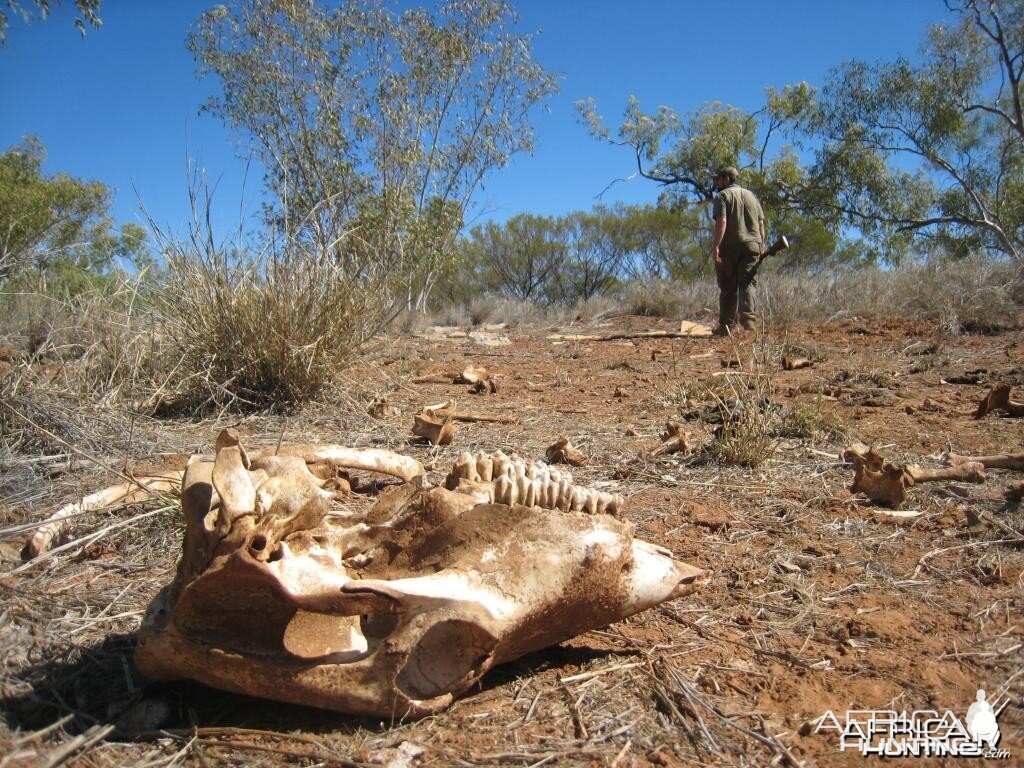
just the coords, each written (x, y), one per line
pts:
(738, 242)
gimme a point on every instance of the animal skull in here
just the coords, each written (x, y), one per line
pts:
(393, 615)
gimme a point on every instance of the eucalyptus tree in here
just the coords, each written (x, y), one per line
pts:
(934, 148)
(88, 10)
(681, 153)
(522, 258)
(375, 126)
(57, 226)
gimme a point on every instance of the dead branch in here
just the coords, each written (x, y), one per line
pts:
(686, 330)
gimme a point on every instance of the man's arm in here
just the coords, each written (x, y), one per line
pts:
(719, 234)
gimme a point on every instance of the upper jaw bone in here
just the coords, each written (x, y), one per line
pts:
(401, 612)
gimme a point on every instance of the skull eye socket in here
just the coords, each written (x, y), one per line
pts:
(448, 659)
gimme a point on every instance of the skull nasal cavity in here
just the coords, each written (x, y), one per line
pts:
(449, 658)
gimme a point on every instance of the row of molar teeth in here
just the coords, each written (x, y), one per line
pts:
(533, 485)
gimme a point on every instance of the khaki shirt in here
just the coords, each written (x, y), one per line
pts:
(743, 217)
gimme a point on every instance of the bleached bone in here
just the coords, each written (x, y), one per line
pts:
(60, 522)
(368, 459)
(471, 374)
(437, 430)
(997, 461)
(675, 439)
(998, 399)
(393, 616)
(564, 452)
(970, 472)
(511, 480)
(887, 483)
(794, 363)
(446, 410)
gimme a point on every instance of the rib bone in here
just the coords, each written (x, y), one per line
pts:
(60, 522)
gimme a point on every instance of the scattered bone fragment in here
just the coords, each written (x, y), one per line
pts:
(446, 410)
(60, 522)
(368, 459)
(398, 613)
(998, 399)
(471, 374)
(886, 483)
(486, 386)
(997, 461)
(511, 480)
(439, 431)
(969, 472)
(564, 452)
(380, 408)
(675, 439)
(323, 461)
(879, 480)
(790, 363)
(1015, 492)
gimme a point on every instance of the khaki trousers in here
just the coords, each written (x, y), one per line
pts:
(735, 274)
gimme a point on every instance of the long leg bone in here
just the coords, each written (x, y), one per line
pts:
(998, 461)
(969, 472)
(368, 459)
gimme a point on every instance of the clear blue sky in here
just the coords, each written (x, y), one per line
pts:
(121, 105)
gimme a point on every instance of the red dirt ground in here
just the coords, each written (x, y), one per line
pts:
(819, 601)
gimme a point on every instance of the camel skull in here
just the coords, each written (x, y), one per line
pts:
(392, 614)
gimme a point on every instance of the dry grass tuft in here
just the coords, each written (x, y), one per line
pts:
(265, 331)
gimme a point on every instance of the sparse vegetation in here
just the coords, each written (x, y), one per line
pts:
(376, 126)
